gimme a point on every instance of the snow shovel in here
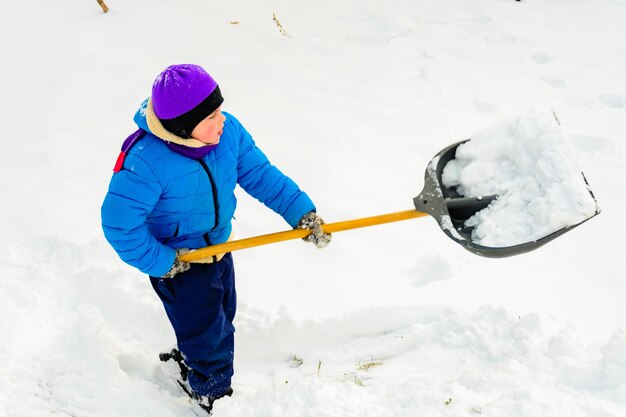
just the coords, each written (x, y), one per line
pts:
(444, 204)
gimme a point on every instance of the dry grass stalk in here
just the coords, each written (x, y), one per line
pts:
(280, 27)
(367, 365)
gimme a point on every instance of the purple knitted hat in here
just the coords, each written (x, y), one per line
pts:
(182, 96)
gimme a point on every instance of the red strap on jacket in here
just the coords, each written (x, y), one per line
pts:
(126, 146)
(120, 162)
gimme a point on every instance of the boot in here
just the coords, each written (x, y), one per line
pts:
(205, 402)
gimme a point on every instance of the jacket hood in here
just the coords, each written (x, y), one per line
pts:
(146, 119)
(140, 116)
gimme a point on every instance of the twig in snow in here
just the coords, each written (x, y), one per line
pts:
(105, 8)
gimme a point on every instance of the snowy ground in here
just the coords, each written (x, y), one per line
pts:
(395, 320)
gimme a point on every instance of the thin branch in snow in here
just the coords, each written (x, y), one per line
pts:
(105, 8)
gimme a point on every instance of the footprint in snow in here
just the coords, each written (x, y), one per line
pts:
(508, 38)
(429, 269)
(590, 144)
(419, 73)
(554, 82)
(485, 107)
(541, 58)
(613, 100)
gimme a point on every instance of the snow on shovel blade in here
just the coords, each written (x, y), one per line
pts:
(451, 210)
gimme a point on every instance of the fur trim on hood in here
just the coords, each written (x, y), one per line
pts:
(157, 129)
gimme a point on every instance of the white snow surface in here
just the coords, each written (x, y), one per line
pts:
(530, 163)
(395, 320)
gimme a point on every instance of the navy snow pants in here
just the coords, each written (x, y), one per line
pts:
(201, 304)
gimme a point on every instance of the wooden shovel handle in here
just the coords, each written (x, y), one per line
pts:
(298, 234)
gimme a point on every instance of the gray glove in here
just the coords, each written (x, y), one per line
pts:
(178, 266)
(314, 223)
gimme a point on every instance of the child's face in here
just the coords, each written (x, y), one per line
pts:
(210, 129)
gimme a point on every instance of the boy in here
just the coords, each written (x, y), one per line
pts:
(172, 191)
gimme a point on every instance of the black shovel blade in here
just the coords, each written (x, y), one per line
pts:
(451, 210)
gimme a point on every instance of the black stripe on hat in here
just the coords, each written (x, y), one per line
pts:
(184, 124)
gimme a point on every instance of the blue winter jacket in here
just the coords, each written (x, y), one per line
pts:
(162, 200)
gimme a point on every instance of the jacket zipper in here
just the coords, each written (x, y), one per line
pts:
(213, 190)
(172, 237)
(217, 206)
